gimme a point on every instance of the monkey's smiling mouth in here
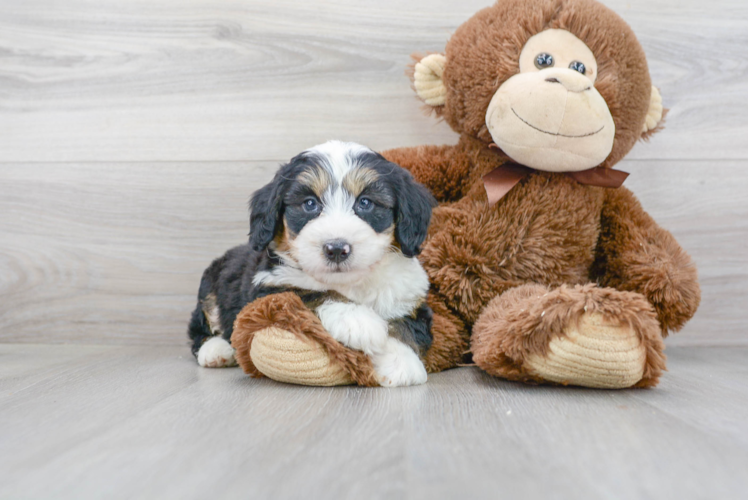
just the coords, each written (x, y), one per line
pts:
(556, 134)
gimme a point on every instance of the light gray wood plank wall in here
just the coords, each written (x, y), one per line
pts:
(131, 135)
(113, 253)
(224, 80)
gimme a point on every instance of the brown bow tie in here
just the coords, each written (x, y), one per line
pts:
(501, 180)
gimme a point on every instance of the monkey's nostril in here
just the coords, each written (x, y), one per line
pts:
(552, 80)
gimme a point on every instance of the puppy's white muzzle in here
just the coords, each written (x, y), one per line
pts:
(339, 248)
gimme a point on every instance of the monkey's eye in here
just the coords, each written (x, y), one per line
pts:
(310, 205)
(543, 60)
(578, 66)
(364, 204)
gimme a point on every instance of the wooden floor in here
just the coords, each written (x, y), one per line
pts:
(131, 135)
(143, 422)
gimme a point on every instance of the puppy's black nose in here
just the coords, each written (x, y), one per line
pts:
(337, 250)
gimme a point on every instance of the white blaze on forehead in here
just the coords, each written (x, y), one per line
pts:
(338, 158)
(337, 201)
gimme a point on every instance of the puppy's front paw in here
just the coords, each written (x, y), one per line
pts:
(398, 365)
(354, 326)
(216, 353)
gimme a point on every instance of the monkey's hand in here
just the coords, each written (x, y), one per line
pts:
(635, 254)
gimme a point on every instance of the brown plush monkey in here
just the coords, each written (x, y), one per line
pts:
(540, 265)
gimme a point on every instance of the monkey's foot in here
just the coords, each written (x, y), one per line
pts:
(592, 353)
(280, 338)
(585, 336)
(284, 357)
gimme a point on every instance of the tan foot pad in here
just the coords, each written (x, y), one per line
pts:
(282, 356)
(594, 354)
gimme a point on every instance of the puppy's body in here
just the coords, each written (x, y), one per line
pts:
(339, 226)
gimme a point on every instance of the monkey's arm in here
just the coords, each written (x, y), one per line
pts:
(635, 254)
(437, 167)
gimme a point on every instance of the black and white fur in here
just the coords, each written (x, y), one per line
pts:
(340, 226)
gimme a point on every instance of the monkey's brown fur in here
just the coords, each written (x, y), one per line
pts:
(549, 233)
(508, 278)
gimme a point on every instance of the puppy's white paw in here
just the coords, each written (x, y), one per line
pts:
(354, 326)
(398, 365)
(216, 353)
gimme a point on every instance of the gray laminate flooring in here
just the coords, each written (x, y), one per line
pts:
(146, 422)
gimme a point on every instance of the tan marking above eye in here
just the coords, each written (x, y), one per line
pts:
(317, 178)
(358, 179)
(565, 49)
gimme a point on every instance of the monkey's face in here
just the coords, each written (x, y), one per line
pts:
(541, 79)
(550, 116)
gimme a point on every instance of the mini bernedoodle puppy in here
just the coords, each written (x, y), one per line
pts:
(340, 226)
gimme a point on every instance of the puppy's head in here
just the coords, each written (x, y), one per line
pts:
(335, 210)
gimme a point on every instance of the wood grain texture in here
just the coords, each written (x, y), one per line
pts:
(97, 249)
(145, 422)
(705, 206)
(108, 252)
(250, 80)
(113, 253)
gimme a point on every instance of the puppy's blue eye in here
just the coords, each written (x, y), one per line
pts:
(365, 204)
(310, 205)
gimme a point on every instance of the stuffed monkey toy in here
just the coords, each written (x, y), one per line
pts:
(543, 268)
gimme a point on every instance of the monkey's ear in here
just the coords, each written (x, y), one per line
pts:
(427, 79)
(655, 115)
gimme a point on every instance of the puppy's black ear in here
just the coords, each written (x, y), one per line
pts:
(263, 217)
(266, 208)
(414, 204)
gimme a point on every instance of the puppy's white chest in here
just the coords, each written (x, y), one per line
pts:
(393, 289)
